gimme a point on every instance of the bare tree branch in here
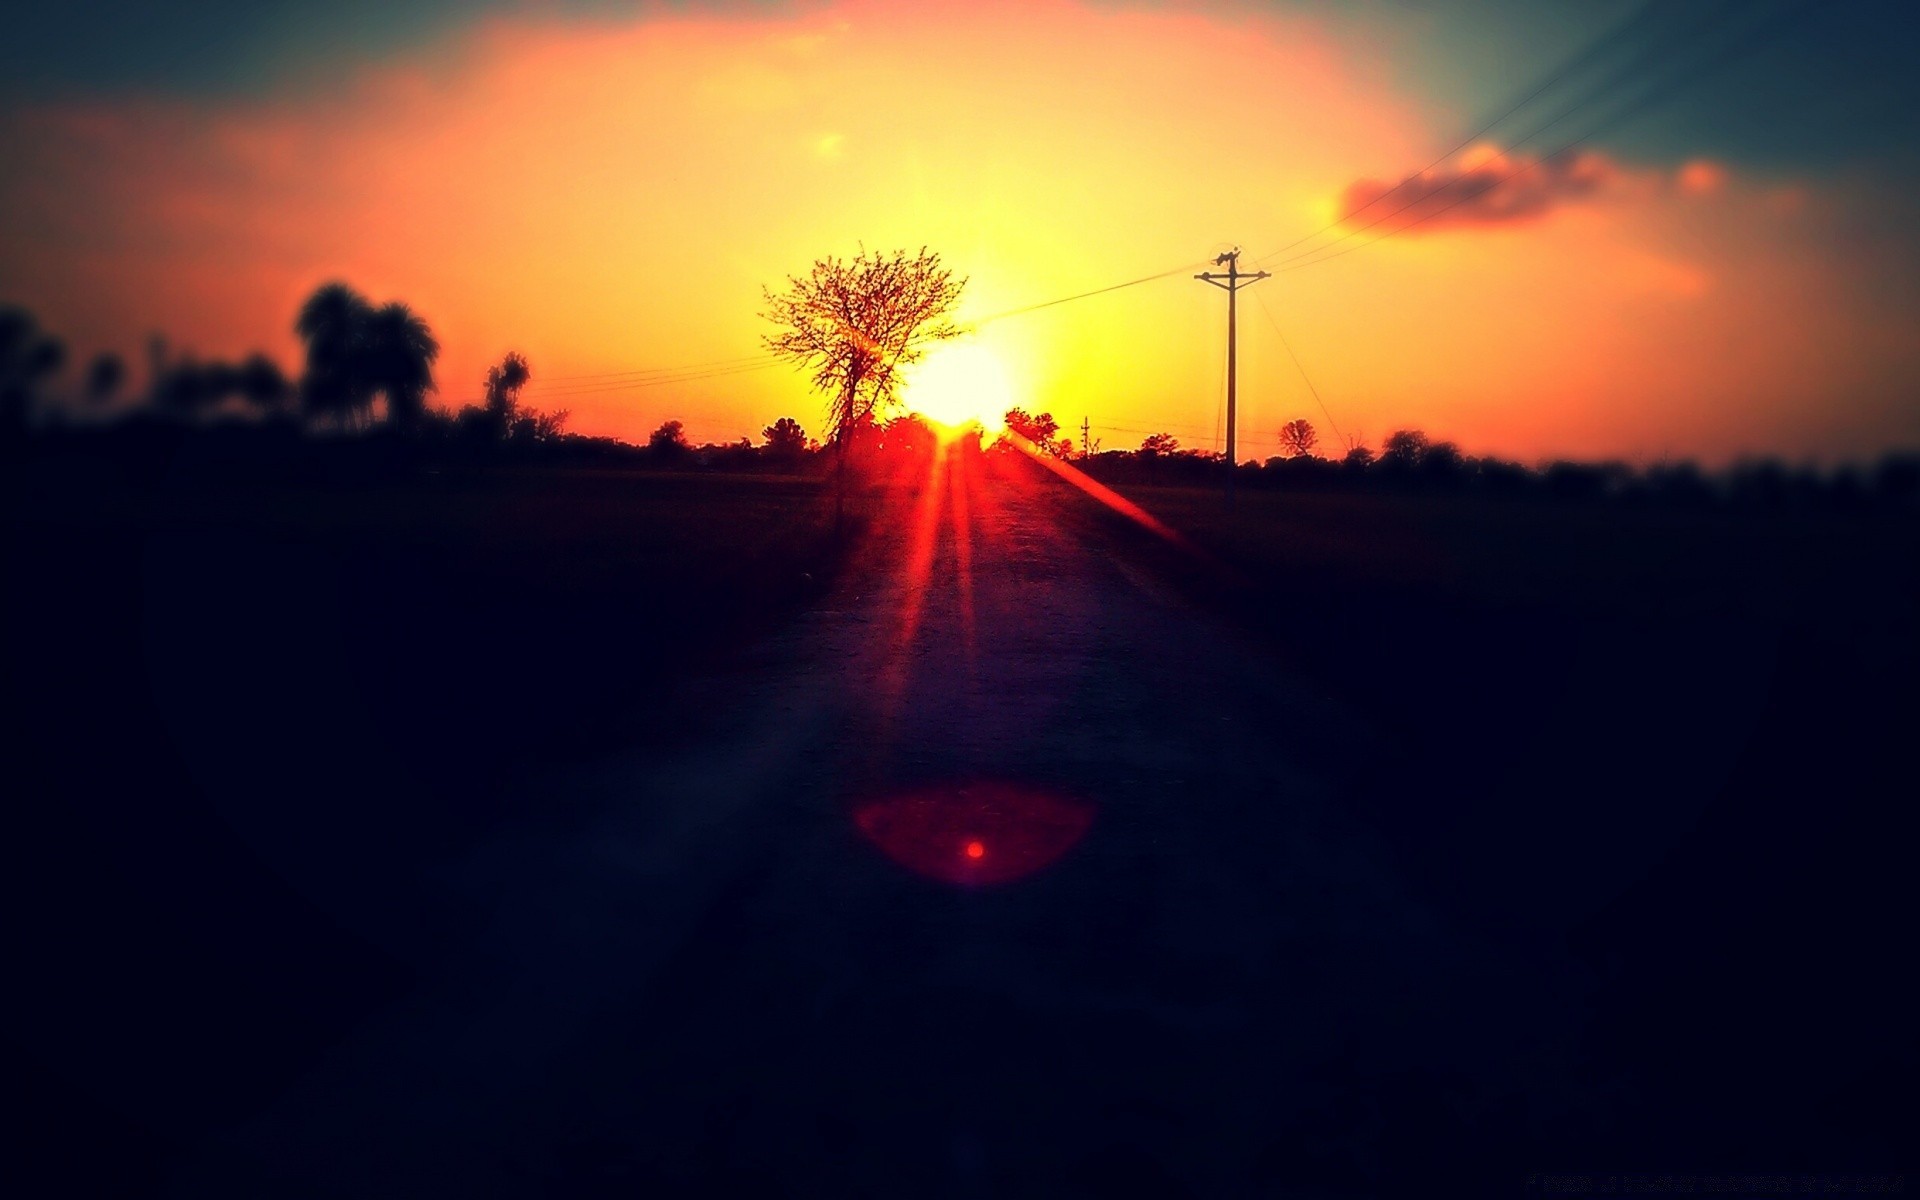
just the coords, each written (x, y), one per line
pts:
(855, 323)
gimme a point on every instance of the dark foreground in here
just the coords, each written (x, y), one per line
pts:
(1409, 874)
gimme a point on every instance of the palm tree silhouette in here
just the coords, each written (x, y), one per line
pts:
(333, 322)
(397, 352)
(356, 352)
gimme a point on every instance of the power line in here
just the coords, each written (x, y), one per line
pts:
(1030, 308)
(644, 377)
(1272, 320)
(1191, 430)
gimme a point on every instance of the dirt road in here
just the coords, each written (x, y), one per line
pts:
(723, 983)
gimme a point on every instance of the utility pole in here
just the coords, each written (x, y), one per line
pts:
(1231, 283)
(1086, 438)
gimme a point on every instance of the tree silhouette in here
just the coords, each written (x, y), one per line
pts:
(396, 353)
(1298, 438)
(1157, 444)
(1403, 448)
(785, 438)
(669, 439)
(1442, 462)
(855, 324)
(1041, 429)
(356, 352)
(907, 434)
(105, 376)
(27, 357)
(501, 417)
(332, 323)
(503, 388)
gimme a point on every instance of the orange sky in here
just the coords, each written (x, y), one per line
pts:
(611, 195)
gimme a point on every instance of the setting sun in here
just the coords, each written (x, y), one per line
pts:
(960, 384)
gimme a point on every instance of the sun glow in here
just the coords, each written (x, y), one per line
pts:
(959, 384)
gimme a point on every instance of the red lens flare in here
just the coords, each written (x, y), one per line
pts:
(975, 833)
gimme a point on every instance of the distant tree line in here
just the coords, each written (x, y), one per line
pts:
(1410, 461)
(368, 371)
(366, 375)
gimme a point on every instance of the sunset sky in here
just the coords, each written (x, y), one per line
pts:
(1728, 268)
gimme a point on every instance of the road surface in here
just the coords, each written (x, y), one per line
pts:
(1209, 981)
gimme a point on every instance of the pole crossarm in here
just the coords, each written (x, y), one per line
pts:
(1230, 283)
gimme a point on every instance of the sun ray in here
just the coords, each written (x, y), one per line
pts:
(916, 571)
(1101, 492)
(962, 484)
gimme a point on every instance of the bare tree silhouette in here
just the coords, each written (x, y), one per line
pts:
(1298, 438)
(855, 324)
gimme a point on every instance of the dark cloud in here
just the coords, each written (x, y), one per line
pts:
(1495, 189)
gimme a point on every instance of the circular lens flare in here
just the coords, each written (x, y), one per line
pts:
(975, 832)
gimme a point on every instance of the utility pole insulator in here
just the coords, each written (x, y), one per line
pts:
(1231, 282)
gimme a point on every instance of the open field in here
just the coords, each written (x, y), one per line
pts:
(208, 676)
(1678, 743)
(474, 610)
(516, 816)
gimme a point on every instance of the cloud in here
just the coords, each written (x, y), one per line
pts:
(1489, 187)
(1701, 178)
